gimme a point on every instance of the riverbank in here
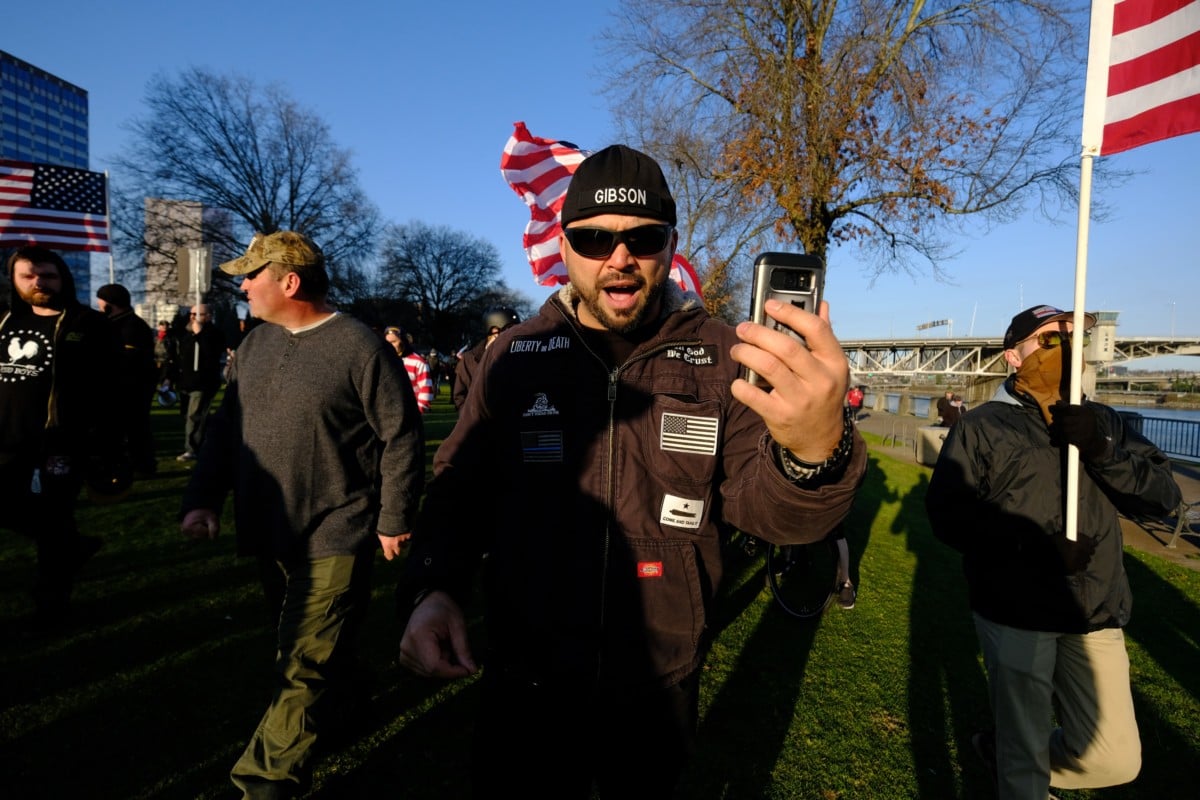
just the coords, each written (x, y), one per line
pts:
(898, 436)
(1148, 403)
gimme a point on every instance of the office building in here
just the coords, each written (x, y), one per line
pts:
(44, 120)
(172, 228)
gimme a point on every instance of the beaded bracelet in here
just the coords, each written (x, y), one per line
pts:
(799, 471)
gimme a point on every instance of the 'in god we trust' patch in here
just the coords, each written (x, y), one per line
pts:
(699, 355)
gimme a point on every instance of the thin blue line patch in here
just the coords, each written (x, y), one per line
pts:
(542, 447)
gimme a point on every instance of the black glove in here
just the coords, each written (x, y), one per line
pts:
(1075, 555)
(1078, 425)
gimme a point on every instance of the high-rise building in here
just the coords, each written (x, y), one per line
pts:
(44, 119)
(172, 228)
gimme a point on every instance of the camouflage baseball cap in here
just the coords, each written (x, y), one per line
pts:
(282, 247)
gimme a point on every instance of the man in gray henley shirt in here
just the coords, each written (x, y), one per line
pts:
(319, 439)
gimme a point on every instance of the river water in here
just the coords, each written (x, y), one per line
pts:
(1180, 438)
(1157, 412)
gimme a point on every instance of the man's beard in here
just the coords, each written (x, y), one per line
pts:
(624, 320)
(41, 299)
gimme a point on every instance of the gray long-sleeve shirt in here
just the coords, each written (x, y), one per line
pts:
(320, 439)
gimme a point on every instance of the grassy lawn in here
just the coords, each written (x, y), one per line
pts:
(155, 689)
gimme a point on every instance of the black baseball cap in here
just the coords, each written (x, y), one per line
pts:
(1024, 324)
(618, 180)
(114, 293)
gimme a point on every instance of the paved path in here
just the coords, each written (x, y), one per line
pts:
(899, 433)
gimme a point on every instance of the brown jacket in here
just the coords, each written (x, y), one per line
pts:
(602, 498)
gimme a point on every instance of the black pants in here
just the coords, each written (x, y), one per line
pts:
(539, 741)
(47, 516)
(135, 413)
(194, 407)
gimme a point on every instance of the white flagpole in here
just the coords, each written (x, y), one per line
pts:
(1095, 96)
(108, 224)
(1081, 248)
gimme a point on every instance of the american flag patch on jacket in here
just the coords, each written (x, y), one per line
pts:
(683, 434)
(542, 447)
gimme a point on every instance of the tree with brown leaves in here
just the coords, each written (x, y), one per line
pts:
(875, 122)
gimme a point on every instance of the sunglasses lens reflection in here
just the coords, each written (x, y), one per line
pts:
(1052, 339)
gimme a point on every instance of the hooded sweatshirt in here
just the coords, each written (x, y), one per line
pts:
(56, 381)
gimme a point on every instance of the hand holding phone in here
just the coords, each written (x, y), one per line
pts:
(804, 409)
(794, 278)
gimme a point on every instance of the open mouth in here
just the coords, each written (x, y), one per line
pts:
(621, 296)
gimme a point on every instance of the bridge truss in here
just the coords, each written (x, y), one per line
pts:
(979, 356)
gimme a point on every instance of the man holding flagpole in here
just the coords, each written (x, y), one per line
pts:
(1049, 609)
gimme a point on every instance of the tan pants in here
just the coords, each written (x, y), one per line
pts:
(1084, 680)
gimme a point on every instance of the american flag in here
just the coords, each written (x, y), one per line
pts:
(538, 170)
(681, 433)
(57, 207)
(1143, 80)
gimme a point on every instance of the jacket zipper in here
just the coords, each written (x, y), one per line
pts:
(614, 376)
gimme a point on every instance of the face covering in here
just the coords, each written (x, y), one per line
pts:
(1042, 376)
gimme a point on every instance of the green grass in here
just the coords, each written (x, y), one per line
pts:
(154, 690)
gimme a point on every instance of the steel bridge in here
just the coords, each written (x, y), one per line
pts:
(952, 356)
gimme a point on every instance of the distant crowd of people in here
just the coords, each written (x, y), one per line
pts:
(607, 447)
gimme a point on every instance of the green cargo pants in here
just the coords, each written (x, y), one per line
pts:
(322, 604)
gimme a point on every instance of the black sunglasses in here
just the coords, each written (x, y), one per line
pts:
(642, 241)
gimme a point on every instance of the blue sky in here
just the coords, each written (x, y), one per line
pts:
(425, 94)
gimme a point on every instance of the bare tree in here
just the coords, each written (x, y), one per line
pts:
(253, 152)
(877, 122)
(448, 275)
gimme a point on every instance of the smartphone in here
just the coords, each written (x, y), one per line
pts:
(795, 278)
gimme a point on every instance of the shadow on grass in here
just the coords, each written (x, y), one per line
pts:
(749, 720)
(947, 688)
(415, 755)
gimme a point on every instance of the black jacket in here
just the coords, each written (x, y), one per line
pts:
(997, 494)
(203, 375)
(137, 353)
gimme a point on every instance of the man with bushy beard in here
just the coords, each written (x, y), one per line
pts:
(1049, 611)
(57, 362)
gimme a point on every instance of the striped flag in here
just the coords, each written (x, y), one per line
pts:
(538, 170)
(1143, 79)
(682, 433)
(683, 274)
(61, 208)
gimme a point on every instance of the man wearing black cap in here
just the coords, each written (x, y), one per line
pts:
(1048, 611)
(138, 375)
(605, 448)
(319, 439)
